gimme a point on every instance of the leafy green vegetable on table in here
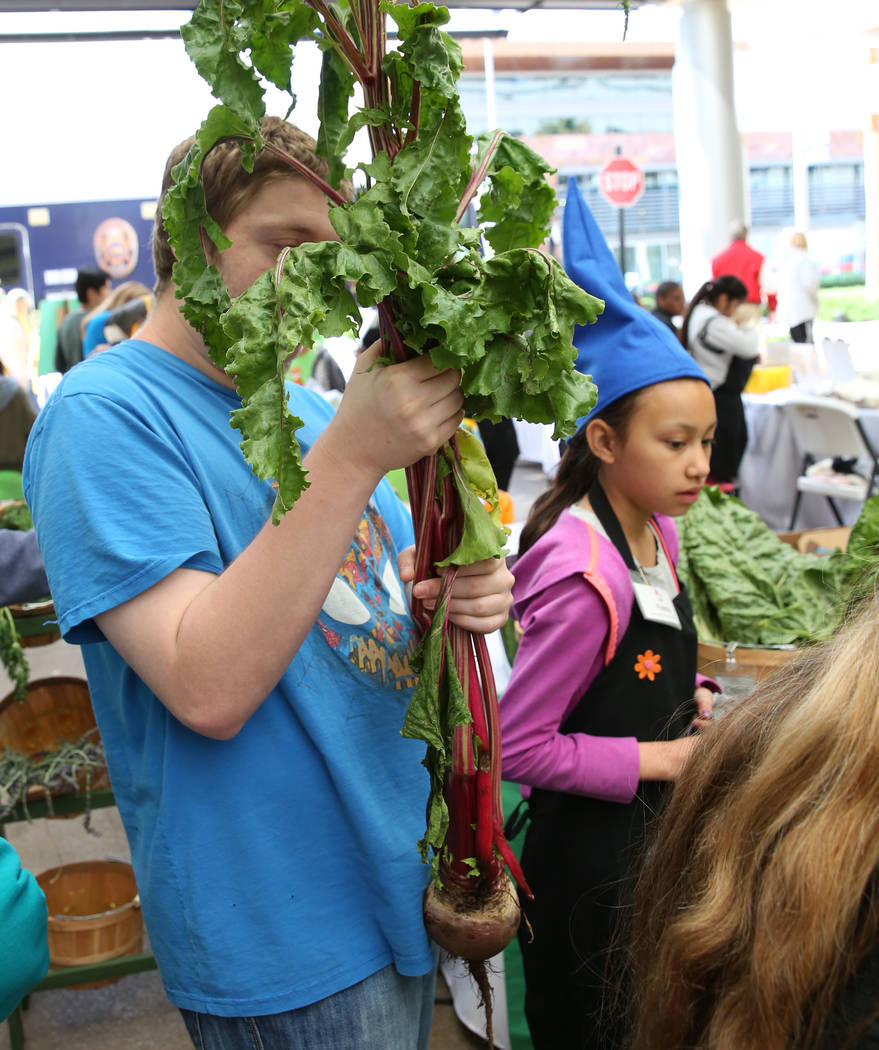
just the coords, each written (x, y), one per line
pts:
(748, 586)
(504, 317)
(16, 516)
(12, 655)
(71, 766)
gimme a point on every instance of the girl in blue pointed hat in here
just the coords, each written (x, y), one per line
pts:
(604, 689)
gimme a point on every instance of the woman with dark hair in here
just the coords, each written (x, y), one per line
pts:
(727, 354)
(756, 918)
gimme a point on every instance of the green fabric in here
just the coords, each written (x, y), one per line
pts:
(515, 978)
(48, 312)
(397, 479)
(10, 485)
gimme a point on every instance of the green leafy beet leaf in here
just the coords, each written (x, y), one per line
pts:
(336, 89)
(437, 706)
(268, 426)
(215, 36)
(432, 57)
(520, 201)
(185, 216)
(275, 30)
(484, 536)
(430, 174)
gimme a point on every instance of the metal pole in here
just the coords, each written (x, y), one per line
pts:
(622, 222)
(622, 213)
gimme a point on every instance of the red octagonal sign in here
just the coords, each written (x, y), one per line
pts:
(621, 182)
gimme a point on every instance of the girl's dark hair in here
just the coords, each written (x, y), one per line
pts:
(576, 472)
(710, 292)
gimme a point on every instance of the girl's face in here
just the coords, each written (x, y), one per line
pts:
(661, 462)
(726, 306)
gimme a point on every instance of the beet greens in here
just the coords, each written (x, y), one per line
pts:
(504, 318)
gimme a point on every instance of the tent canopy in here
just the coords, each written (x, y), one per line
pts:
(182, 5)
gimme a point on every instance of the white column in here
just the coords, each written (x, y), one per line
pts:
(800, 173)
(488, 68)
(871, 181)
(709, 152)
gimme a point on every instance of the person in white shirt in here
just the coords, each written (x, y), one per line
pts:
(727, 353)
(798, 283)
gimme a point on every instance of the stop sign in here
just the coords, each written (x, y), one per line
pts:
(621, 182)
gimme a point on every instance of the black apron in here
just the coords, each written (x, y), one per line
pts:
(579, 851)
(731, 435)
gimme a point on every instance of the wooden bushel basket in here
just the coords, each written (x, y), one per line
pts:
(714, 658)
(737, 668)
(56, 709)
(94, 914)
(35, 623)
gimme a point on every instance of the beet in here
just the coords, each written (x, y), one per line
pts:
(471, 928)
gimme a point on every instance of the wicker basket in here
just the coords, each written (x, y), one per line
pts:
(94, 913)
(56, 709)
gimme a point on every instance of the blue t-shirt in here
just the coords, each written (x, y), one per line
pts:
(280, 866)
(94, 332)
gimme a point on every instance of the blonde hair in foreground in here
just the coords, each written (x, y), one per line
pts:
(758, 900)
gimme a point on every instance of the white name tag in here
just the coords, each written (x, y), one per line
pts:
(656, 606)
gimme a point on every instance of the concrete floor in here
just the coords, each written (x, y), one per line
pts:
(133, 1013)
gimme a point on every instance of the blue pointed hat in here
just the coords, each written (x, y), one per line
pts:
(626, 348)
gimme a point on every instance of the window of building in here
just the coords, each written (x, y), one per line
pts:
(585, 103)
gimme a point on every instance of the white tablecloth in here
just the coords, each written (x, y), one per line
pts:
(772, 461)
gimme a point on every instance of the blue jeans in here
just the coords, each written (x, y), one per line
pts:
(384, 1012)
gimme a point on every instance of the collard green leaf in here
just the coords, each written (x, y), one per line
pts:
(752, 587)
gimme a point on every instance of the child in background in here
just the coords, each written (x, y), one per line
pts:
(727, 353)
(756, 919)
(604, 687)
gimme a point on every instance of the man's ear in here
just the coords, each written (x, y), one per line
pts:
(602, 440)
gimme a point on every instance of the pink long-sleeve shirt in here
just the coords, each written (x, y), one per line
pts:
(573, 598)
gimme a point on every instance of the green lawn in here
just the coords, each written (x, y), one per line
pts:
(851, 302)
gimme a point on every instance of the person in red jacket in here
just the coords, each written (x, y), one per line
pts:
(746, 263)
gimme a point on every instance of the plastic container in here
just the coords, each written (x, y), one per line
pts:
(768, 377)
(94, 913)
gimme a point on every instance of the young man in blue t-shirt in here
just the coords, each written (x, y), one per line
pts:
(250, 681)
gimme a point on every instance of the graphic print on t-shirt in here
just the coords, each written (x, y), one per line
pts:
(365, 616)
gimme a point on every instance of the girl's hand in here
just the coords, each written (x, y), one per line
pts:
(481, 594)
(664, 759)
(704, 700)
